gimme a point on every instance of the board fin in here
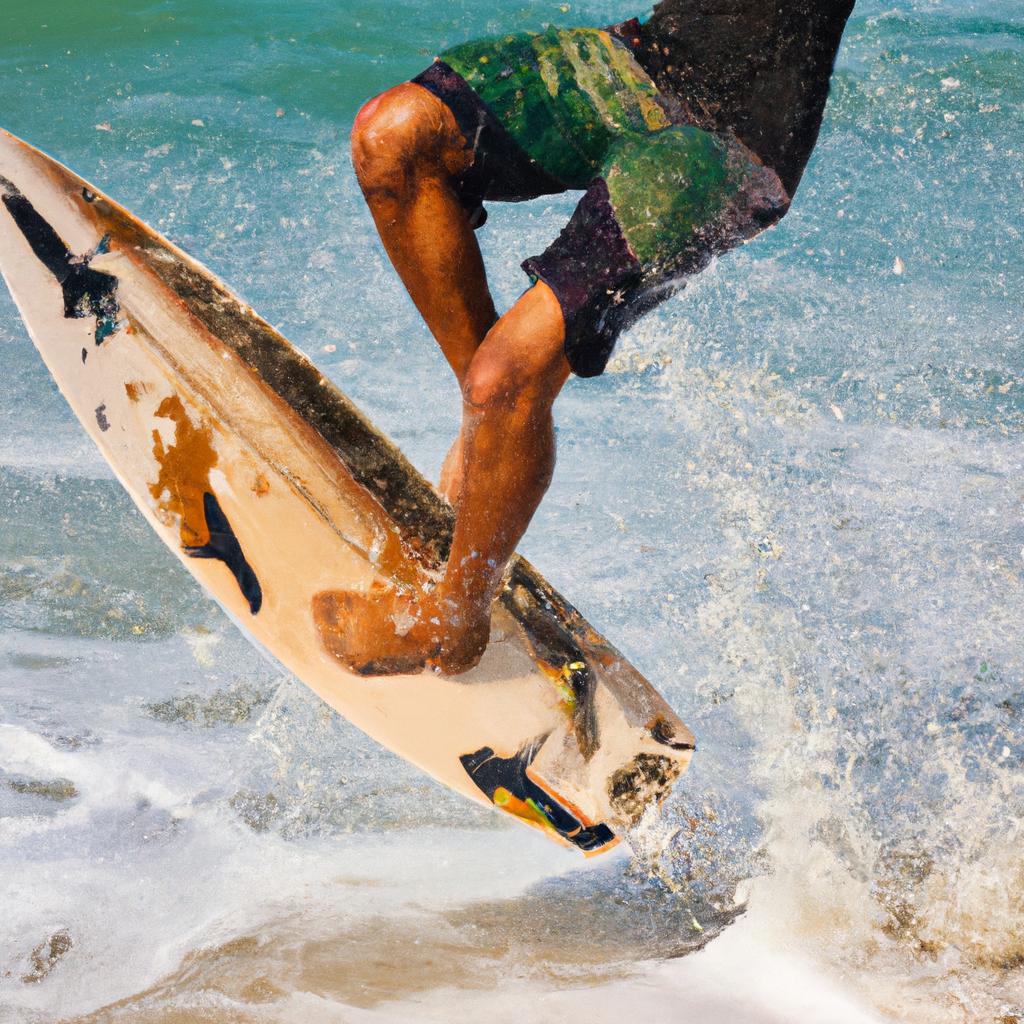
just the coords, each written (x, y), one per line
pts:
(223, 545)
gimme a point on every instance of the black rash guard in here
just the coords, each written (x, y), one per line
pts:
(758, 68)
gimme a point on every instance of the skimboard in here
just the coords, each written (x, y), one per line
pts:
(272, 488)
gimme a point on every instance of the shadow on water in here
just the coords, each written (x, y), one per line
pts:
(575, 931)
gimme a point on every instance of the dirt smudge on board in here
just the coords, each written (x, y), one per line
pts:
(135, 389)
(184, 472)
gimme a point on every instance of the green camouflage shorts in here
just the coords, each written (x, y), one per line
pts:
(572, 109)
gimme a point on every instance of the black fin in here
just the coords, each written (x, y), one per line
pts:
(223, 545)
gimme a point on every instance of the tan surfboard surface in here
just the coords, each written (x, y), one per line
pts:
(269, 485)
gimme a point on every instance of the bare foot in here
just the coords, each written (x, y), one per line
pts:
(393, 632)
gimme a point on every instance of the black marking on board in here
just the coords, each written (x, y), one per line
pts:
(101, 417)
(663, 732)
(223, 545)
(87, 292)
(646, 779)
(491, 773)
(85, 355)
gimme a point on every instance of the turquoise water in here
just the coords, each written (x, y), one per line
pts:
(794, 501)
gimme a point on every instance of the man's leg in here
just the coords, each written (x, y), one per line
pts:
(408, 153)
(508, 454)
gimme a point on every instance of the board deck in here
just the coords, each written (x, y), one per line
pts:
(271, 487)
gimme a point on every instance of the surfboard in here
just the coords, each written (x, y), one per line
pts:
(271, 488)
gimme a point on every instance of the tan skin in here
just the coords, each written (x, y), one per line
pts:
(408, 151)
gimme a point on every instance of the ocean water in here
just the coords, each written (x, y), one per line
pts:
(795, 502)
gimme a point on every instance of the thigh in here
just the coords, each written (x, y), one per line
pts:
(565, 95)
(683, 195)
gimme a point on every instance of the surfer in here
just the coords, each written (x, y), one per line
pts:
(687, 133)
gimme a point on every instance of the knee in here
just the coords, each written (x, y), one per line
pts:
(395, 135)
(497, 381)
(521, 364)
(490, 384)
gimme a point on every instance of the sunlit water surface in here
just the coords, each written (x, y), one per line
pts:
(794, 502)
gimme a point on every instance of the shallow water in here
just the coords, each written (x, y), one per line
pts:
(794, 502)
